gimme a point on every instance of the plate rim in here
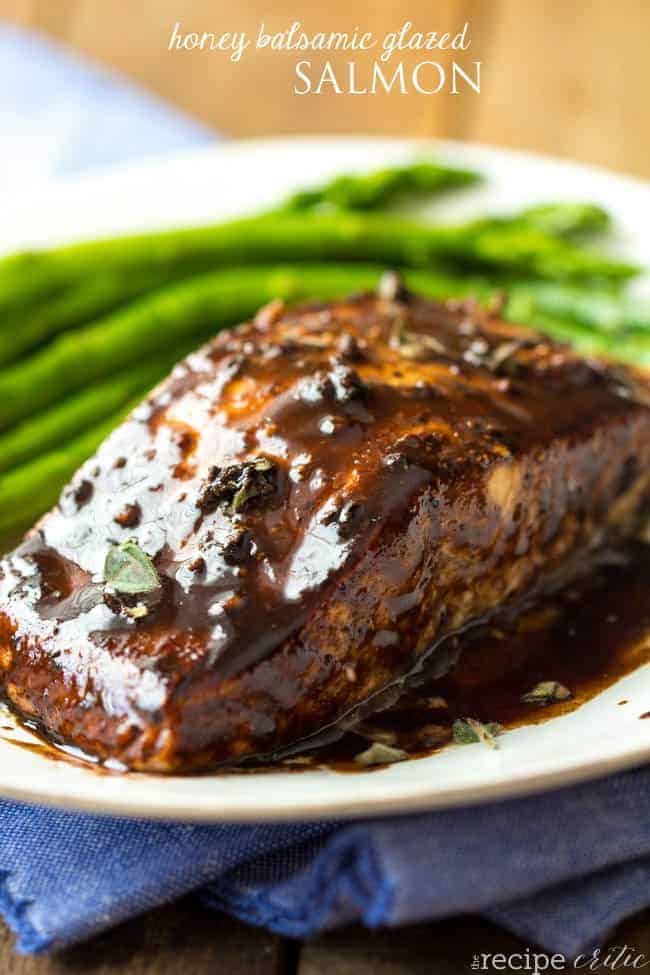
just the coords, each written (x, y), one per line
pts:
(354, 806)
(181, 156)
(350, 809)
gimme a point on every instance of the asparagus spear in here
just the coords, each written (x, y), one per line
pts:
(378, 189)
(366, 191)
(85, 409)
(29, 490)
(193, 308)
(593, 308)
(24, 329)
(634, 349)
(97, 292)
(166, 318)
(568, 220)
(505, 246)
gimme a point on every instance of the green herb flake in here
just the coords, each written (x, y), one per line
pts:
(547, 692)
(468, 731)
(239, 486)
(252, 486)
(129, 570)
(380, 754)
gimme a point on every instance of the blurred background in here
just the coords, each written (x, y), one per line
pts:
(568, 77)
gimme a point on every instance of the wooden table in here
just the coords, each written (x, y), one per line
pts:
(188, 939)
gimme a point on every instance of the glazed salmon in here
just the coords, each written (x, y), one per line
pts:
(315, 503)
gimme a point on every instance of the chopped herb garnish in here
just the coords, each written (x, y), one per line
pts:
(253, 486)
(129, 570)
(467, 731)
(380, 754)
(547, 692)
(240, 486)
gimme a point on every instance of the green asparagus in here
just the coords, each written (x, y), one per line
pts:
(23, 279)
(31, 489)
(110, 282)
(593, 308)
(634, 348)
(568, 220)
(379, 189)
(44, 430)
(196, 308)
(25, 329)
(505, 246)
(187, 311)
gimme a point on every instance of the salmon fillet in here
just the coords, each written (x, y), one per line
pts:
(325, 496)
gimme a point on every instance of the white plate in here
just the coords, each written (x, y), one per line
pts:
(598, 738)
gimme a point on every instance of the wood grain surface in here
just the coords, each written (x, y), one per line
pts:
(568, 77)
(181, 938)
(188, 939)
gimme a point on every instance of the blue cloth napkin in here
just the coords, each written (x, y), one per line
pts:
(559, 869)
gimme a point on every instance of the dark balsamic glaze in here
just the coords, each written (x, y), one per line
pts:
(324, 403)
(586, 638)
(222, 408)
